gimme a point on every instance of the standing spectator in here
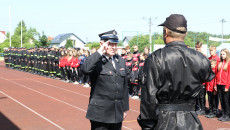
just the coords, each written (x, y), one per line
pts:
(223, 82)
(93, 50)
(128, 66)
(86, 78)
(213, 55)
(143, 56)
(74, 65)
(134, 78)
(200, 101)
(146, 51)
(136, 53)
(123, 54)
(128, 49)
(68, 64)
(81, 61)
(212, 92)
(62, 64)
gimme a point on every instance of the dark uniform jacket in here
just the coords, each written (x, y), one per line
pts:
(109, 90)
(172, 75)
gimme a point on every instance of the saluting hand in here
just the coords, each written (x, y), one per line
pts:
(103, 47)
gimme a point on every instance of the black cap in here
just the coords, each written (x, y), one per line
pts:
(174, 21)
(110, 35)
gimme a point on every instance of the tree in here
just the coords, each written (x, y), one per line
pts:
(69, 43)
(93, 45)
(43, 40)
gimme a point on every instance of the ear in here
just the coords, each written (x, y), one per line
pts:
(101, 42)
(166, 32)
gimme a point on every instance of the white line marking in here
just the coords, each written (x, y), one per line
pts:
(126, 127)
(59, 88)
(70, 91)
(46, 95)
(33, 111)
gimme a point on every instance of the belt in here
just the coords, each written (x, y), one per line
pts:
(176, 107)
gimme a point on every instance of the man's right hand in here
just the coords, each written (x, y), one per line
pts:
(103, 47)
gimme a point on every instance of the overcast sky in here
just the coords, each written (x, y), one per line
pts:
(88, 18)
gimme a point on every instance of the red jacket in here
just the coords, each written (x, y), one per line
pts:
(69, 62)
(223, 77)
(62, 62)
(75, 63)
(210, 85)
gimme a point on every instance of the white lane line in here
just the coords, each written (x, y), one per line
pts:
(59, 88)
(45, 95)
(71, 91)
(33, 111)
(127, 127)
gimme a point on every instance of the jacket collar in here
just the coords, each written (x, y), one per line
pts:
(176, 43)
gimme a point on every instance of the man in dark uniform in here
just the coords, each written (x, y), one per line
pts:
(172, 79)
(108, 101)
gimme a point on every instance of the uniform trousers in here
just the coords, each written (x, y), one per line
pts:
(105, 126)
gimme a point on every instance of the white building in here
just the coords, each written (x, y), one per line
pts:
(61, 40)
(126, 40)
(2, 37)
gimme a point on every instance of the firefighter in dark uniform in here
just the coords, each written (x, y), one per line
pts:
(38, 61)
(10, 57)
(23, 57)
(172, 79)
(56, 71)
(45, 62)
(108, 101)
(6, 53)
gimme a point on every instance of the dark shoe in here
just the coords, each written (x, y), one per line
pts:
(210, 115)
(201, 112)
(222, 117)
(226, 119)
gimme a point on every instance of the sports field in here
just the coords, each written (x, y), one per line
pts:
(30, 101)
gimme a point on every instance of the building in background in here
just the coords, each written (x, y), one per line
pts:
(61, 39)
(2, 36)
(126, 40)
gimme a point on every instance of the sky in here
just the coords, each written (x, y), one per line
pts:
(88, 18)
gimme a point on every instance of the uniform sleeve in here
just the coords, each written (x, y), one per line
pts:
(209, 74)
(90, 63)
(148, 107)
(126, 95)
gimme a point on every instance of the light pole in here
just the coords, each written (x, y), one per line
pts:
(223, 21)
(150, 32)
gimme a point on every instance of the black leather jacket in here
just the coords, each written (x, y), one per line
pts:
(172, 75)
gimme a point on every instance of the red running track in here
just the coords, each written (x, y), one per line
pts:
(30, 101)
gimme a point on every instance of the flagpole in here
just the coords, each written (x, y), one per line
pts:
(21, 32)
(10, 25)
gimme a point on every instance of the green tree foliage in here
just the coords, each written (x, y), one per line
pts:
(190, 39)
(43, 40)
(69, 43)
(29, 37)
(93, 45)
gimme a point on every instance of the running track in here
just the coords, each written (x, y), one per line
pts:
(30, 101)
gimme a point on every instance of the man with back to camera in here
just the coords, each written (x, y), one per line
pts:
(108, 101)
(172, 79)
